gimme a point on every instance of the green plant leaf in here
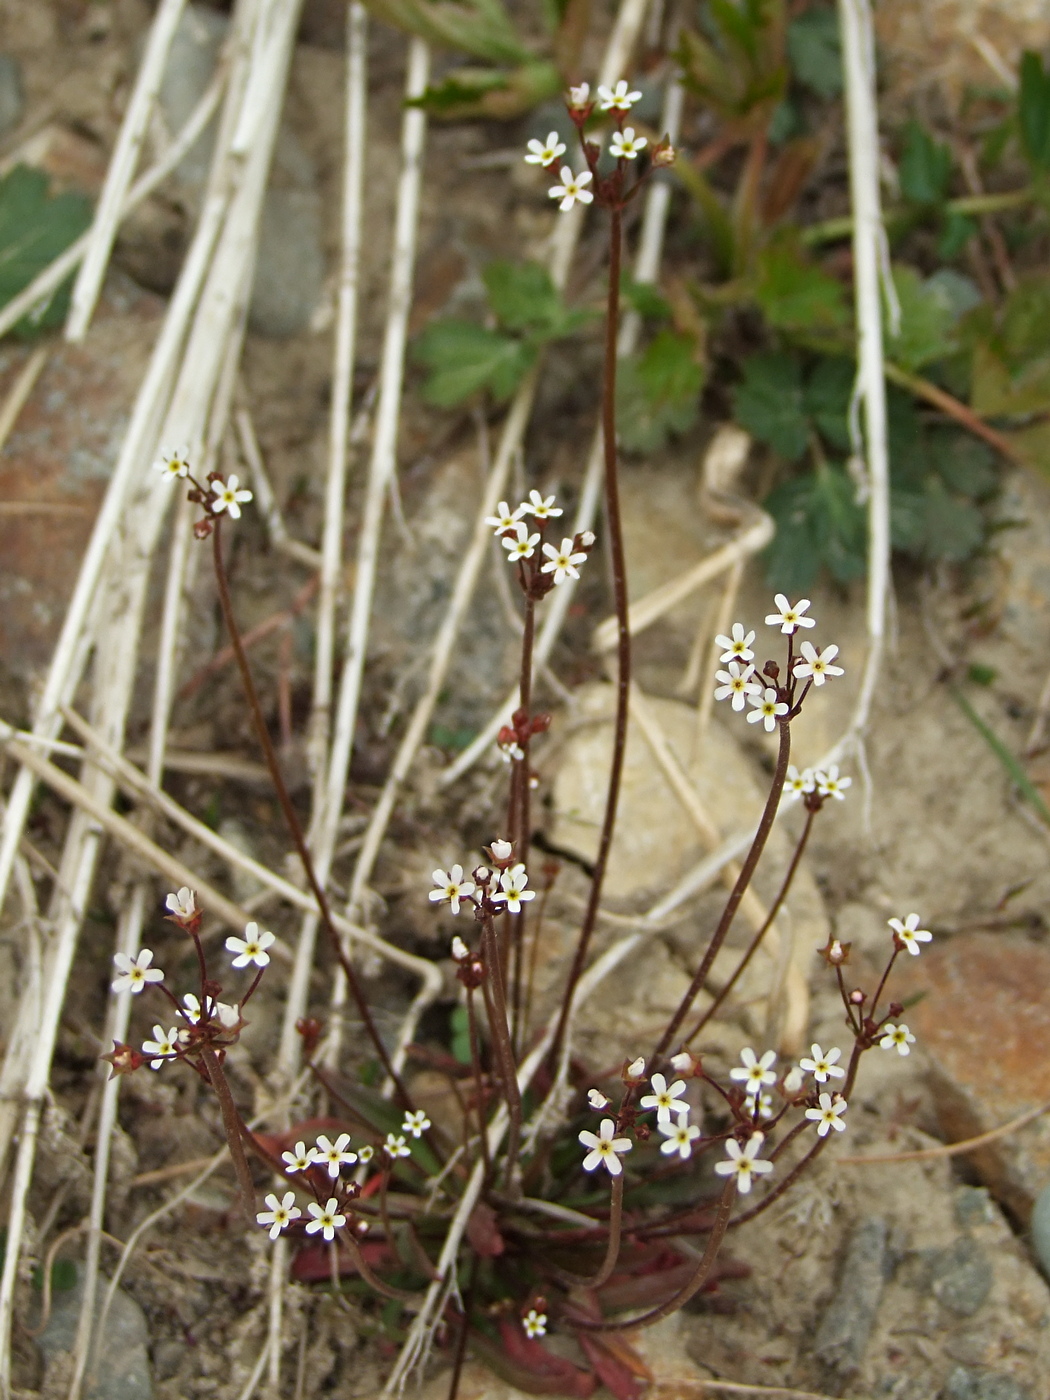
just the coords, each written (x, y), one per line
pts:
(829, 389)
(818, 522)
(464, 358)
(769, 403)
(929, 317)
(525, 299)
(658, 391)
(481, 28)
(925, 167)
(964, 464)
(795, 295)
(644, 298)
(34, 229)
(954, 528)
(956, 232)
(815, 52)
(470, 93)
(1033, 111)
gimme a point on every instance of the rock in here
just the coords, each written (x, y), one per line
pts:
(985, 1025)
(961, 1277)
(12, 93)
(846, 1325)
(122, 1369)
(1041, 1229)
(289, 270)
(967, 1384)
(191, 64)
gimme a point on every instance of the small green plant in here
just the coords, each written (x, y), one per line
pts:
(35, 227)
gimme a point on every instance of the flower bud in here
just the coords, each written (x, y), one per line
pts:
(835, 953)
(664, 154)
(636, 1069)
(682, 1063)
(501, 850)
(459, 949)
(579, 96)
(597, 1100)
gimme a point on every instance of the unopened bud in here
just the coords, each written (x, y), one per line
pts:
(459, 949)
(636, 1069)
(664, 154)
(579, 96)
(501, 850)
(682, 1063)
(597, 1099)
(857, 997)
(793, 1081)
(587, 539)
(834, 953)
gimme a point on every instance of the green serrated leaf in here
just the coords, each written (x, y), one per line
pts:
(465, 358)
(815, 52)
(829, 389)
(658, 391)
(818, 523)
(34, 229)
(1033, 111)
(769, 403)
(929, 317)
(954, 528)
(523, 296)
(964, 464)
(791, 557)
(956, 232)
(796, 296)
(925, 167)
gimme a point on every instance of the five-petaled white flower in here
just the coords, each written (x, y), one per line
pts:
(625, 145)
(767, 708)
(545, 153)
(617, 98)
(396, 1146)
(799, 782)
(737, 682)
(520, 545)
(134, 973)
(829, 784)
(580, 95)
(744, 1163)
(534, 1323)
(173, 463)
(758, 1106)
(182, 905)
(680, 1138)
(790, 615)
(572, 188)
(252, 947)
(829, 1114)
(823, 1065)
(909, 934)
(562, 562)
(665, 1098)
(326, 1218)
(505, 518)
(333, 1154)
(451, 886)
(300, 1158)
(604, 1148)
(738, 646)
(366, 1153)
(161, 1045)
(281, 1213)
(542, 508)
(415, 1123)
(755, 1072)
(897, 1038)
(597, 1099)
(816, 665)
(228, 497)
(512, 891)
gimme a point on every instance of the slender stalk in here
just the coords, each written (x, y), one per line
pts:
(479, 1088)
(743, 880)
(755, 942)
(504, 1050)
(882, 984)
(954, 408)
(231, 1122)
(618, 562)
(290, 816)
(372, 1279)
(612, 1250)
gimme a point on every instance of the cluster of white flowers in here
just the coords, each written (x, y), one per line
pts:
(667, 1099)
(227, 495)
(511, 887)
(825, 781)
(333, 1156)
(741, 683)
(625, 145)
(563, 562)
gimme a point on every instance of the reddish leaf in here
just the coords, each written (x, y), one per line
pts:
(314, 1262)
(483, 1232)
(624, 1381)
(526, 1364)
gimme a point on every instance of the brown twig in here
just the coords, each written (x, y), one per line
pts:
(951, 1149)
(939, 398)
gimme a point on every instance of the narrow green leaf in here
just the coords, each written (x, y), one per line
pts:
(34, 229)
(1033, 111)
(1010, 764)
(925, 167)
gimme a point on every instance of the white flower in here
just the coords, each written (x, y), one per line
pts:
(682, 1062)
(597, 1100)
(793, 1081)
(617, 98)
(281, 1213)
(829, 1114)
(666, 1099)
(545, 154)
(334, 1154)
(579, 96)
(636, 1068)
(182, 905)
(228, 498)
(897, 1038)
(501, 850)
(366, 1153)
(738, 646)
(817, 664)
(174, 463)
(534, 1323)
(505, 518)
(325, 1218)
(460, 951)
(251, 948)
(829, 784)
(823, 1066)
(415, 1123)
(542, 508)
(571, 189)
(512, 891)
(625, 145)
(760, 1105)
(790, 615)
(799, 782)
(135, 973)
(562, 562)
(755, 1072)
(452, 887)
(768, 709)
(737, 682)
(587, 539)
(162, 1045)
(520, 545)
(396, 1147)
(910, 934)
(604, 1148)
(680, 1138)
(301, 1158)
(228, 1015)
(744, 1164)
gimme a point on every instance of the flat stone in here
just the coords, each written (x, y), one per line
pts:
(984, 1023)
(961, 1277)
(845, 1328)
(122, 1368)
